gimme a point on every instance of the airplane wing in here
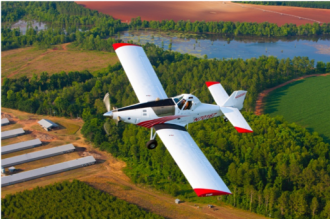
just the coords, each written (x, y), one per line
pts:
(197, 169)
(139, 71)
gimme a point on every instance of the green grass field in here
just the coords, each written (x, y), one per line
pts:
(305, 102)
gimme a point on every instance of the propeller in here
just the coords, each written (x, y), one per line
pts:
(106, 101)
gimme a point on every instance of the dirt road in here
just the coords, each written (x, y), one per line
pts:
(260, 100)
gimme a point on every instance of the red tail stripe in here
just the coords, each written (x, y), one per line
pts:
(210, 83)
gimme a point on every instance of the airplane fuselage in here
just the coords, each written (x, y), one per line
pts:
(180, 110)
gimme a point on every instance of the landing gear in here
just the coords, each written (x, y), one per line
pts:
(152, 144)
(226, 120)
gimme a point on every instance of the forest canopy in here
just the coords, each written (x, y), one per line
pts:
(74, 199)
(279, 163)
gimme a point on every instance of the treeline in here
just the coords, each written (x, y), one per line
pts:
(66, 21)
(234, 28)
(69, 200)
(305, 4)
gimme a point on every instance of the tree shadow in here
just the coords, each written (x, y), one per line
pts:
(272, 100)
(326, 139)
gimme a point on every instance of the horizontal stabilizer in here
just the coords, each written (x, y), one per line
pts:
(236, 119)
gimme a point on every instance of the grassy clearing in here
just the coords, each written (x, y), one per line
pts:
(306, 102)
(26, 61)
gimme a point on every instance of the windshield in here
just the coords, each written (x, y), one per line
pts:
(177, 99)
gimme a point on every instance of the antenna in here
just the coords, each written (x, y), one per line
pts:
(194, 91)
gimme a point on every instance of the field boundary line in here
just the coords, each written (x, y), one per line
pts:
(260, 103)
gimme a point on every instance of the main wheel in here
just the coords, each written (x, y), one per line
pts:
(152, 144)
(226, 120)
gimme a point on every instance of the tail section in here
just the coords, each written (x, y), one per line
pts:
(236, 100)
(230, 106)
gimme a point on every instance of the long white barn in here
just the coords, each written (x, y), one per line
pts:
(20, 146)
(37, 155)
(12, 133)
(46, 171)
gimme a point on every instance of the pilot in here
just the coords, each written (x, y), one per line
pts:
(181, 104)
(186, 106)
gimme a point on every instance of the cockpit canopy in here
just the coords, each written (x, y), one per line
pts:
(186, 101)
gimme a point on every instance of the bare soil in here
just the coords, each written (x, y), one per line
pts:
(260, 103)
(208, 11)
(107, 175)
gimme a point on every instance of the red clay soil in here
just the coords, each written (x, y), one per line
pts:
(260, 101)
(209, 11)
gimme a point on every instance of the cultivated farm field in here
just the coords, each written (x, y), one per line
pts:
(26, 61)
(306, 102)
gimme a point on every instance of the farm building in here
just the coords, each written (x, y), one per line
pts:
(48, 170)
(37, 155)
(20, 146)
(47, 124)
(12, 133)
(4, 121)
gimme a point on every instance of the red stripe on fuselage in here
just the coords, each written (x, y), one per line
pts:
(151, 123)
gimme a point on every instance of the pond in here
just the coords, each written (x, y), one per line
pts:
(217, 46)
(23, 25)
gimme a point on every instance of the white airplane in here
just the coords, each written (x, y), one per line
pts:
(168, 116)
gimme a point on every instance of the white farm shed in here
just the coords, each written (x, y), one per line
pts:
(47, 124)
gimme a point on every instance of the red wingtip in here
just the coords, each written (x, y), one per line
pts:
(209, 192)
(241, 130)
(118, 45)
(210, 83)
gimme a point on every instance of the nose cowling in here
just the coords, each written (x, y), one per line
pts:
(108, 114)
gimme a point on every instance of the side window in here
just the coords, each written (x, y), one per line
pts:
(181, 104)
(188, 105)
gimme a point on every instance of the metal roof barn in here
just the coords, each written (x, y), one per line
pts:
(47, 124)
(37, 155)
(12, 133)
(4, 121)
(20, 146)
(46, 171)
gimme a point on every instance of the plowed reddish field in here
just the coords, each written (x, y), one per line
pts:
(209, 11)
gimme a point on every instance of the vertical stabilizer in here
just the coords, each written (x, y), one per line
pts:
(218, 92)
(236, 99)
